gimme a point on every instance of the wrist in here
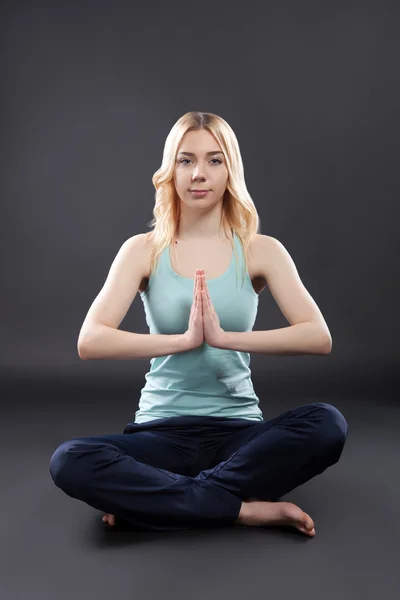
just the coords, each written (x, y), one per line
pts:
(183, 343)
(223, 341)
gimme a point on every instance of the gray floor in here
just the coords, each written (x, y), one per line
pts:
(55, 547)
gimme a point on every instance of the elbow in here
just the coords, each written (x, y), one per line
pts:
(327, 349)
(83, 351)
(88, 345)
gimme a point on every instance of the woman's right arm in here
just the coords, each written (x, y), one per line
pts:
(99, 337)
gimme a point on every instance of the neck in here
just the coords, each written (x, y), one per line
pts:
(202, 236)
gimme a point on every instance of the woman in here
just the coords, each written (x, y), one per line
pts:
(199, 452)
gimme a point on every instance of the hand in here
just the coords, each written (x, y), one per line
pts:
(194, 336)
(213, 332)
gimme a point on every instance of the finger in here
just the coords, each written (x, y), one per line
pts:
(204, 299)
(209, 304)
(198, 283)
(205, 286)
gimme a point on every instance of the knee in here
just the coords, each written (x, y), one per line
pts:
(61, 462)
(334, 427)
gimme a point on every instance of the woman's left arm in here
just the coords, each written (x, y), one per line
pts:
(307, 333)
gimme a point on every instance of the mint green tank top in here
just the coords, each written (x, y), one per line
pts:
(205, 381)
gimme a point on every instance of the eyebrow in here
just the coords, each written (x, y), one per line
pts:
(207, 153)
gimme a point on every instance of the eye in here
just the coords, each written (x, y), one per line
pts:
(217, 159)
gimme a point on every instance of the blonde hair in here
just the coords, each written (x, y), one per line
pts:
(239, 213)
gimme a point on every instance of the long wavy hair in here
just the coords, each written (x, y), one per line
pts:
(239, 213)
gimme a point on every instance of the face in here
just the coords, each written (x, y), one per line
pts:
(203, 169)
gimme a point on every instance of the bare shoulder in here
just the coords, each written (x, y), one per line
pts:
(140, 246)
(262, 238)
(139, 240)
(271, 257)
(265, 244)
(260, 252)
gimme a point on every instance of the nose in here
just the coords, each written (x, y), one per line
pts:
(198, 174)
(198, 171)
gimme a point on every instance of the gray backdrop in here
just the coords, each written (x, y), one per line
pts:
(90, 92)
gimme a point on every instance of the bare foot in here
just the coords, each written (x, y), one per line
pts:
(110, 519)
(258, 513)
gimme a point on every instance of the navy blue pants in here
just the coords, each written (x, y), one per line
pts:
(187, 471)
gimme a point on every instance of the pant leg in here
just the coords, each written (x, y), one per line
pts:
(111, 473)
(273, 457)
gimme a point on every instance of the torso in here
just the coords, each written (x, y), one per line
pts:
(214, 257)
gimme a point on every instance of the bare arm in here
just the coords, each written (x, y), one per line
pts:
(308, 332)
(116, 344)
(100, 337)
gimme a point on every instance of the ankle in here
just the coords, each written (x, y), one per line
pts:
(244, 513)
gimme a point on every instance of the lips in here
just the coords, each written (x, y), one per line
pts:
(199, 191)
